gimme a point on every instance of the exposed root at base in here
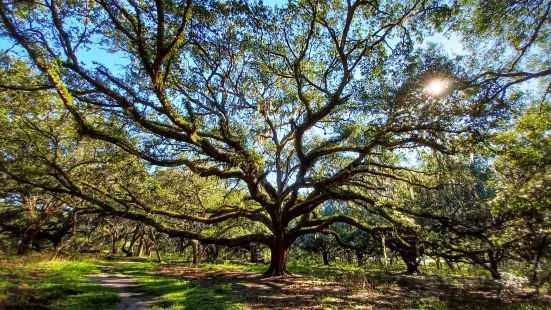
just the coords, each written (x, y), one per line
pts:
(277, 274)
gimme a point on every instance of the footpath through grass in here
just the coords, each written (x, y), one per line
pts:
(28, 283)
(177, 293)
(33, 282)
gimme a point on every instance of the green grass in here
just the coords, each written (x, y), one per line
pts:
(28, 283)
(430, 303)
(258, 268)
(293, 266)
(178, 293)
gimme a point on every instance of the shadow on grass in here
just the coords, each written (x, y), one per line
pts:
(52, 285)
(178, 293)
(397, 291)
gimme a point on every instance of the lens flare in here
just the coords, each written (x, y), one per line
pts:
(436, 87)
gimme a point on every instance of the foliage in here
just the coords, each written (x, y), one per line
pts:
(231, 123)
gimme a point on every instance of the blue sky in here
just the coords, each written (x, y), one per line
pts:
(450, 43)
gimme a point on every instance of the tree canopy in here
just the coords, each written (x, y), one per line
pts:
(253, 120)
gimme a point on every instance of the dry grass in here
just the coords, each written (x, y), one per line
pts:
(356, 291)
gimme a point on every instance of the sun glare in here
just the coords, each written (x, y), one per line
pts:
(436, 87)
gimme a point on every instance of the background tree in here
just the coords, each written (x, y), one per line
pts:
(509, 38)
(522, 166)
(319, 244)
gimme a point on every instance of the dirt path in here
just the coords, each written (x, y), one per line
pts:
(131, 296)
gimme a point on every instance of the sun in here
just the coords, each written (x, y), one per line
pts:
(436, 87)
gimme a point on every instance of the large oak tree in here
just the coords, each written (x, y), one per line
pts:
(313, 102)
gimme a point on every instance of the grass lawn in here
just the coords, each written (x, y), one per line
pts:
(233, 286)
(29, 283)
(35, 283)
(178, 293)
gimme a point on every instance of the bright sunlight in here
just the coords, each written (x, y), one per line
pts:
(436, 87)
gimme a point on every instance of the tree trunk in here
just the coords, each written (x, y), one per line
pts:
(450, 264)
(534, 279)
(348, 258)
(130, 251)
(194, 245)
(412, 268)
(278, 258)
(213, 251)
(495, 274)
(154, 240)
(383, 241)
(183, 246)
(254, 252)
(159, 258)
(410, 259)
(209, 253)
(114, 247)
(139, 252)
(492, 266)
(360, 257)
(62, 245)
(24, 245)
(56, 240)
(325, 256)
(26, 242)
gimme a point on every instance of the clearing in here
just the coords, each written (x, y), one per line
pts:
(136, 285)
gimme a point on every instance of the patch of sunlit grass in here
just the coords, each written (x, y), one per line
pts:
(58, 284)
(177, 293)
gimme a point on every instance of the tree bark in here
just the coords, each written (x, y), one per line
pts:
(254, 252)
(450, 264)
(139, 252)
(62, 245)
(325, 256)
(278, 262)
(495, 274)
(154, 240)
(493, 266)
(114, 247)
(212, 252)
(56, 240)
(130, 251)
(278, 257)
(534, 279)
(360, 258)
(349, 258)
(194, 245)
(383, 241)
(410, 259)
(26, 242)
